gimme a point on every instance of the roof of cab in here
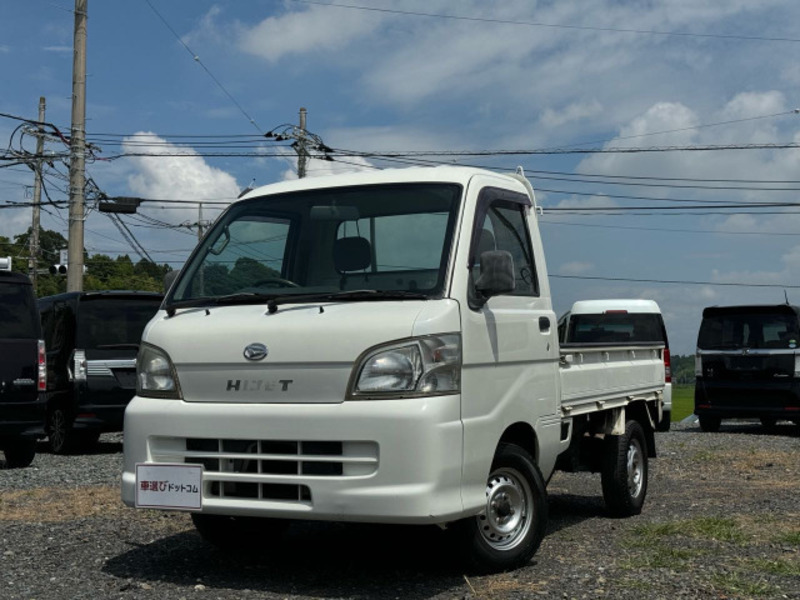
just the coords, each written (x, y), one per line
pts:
(631, 305)
(443, 174)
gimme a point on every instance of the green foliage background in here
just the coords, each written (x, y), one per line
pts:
(102, 272)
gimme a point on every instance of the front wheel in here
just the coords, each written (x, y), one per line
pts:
(239, 534)
(509, 530)
(19, 452)
(624, 473)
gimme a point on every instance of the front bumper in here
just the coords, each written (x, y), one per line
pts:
(387, 461)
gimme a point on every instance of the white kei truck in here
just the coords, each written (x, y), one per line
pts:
(381, 348)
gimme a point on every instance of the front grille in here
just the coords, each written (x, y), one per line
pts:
(275, 470)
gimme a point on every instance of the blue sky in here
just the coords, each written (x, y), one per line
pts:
(446, 75)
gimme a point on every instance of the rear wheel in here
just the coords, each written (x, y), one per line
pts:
(19, 451)
(512, 525)
(239, 534)
(63, 438)
(710, 424)
(624, 473)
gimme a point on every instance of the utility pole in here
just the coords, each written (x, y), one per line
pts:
(77, 175)
(33, 242)
(302, 153)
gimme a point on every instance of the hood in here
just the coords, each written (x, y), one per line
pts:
(311, 348)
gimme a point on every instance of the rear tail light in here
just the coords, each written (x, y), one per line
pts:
(667, 367)
(797, 365)
(42, 372)
(698, 365)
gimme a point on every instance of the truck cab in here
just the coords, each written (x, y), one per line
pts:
(92, 341)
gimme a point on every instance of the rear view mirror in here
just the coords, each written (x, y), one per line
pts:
(334, 213)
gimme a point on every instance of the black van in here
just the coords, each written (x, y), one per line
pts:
(22, 370)
(92, 340)
(748, 364)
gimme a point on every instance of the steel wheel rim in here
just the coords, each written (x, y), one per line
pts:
(57, 429)
(635, 466)
(505, 521)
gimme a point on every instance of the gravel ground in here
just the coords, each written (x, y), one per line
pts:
(722, 520)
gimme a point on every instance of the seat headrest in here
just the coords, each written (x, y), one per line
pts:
(351, 254)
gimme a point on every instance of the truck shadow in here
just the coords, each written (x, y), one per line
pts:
(312, 559)
(327, 559)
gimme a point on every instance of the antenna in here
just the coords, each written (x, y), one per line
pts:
(785, 295)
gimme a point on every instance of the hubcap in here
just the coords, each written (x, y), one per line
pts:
(506, 520)
(635, 468)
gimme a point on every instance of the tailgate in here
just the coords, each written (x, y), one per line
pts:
(18, 370)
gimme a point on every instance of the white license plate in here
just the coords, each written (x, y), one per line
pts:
(177, 487)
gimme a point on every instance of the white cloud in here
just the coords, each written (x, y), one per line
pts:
(187, 177)
(574, 112)
(315, 29)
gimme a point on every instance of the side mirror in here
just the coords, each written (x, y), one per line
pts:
(169, 279)
(497, 275)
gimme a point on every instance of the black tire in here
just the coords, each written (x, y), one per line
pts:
(62, 438)
(624, 473)
(239, 534)
(665, 422)
(512, 525)
(709, 424)
(19, 452)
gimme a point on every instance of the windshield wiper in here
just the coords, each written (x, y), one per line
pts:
(239, 298)
(272, 303)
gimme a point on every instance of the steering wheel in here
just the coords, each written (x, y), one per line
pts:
(275, 282)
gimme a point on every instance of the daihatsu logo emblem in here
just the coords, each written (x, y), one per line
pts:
(255, 351)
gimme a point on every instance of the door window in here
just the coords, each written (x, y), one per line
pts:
(504, 227)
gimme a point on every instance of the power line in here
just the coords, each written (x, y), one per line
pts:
(676, 281)
(196, 58)
(549, 25)
(543, 221)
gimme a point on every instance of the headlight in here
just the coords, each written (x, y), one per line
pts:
(155, 374)
(422, 366)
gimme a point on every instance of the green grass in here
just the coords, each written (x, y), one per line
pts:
(682, 401)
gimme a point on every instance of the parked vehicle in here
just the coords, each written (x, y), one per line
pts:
(380, 347)
(92, 340)
(22, 369)
(748, 364)
(620, 322)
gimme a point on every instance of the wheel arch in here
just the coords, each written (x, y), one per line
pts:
(639, 411)
(523, 435)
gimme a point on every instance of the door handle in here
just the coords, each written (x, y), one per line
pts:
(544, 324)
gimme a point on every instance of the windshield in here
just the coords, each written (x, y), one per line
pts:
(19, 317)
(389, 238)
(749, 330)
(114, 323)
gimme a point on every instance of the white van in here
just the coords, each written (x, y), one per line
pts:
(615, 322)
